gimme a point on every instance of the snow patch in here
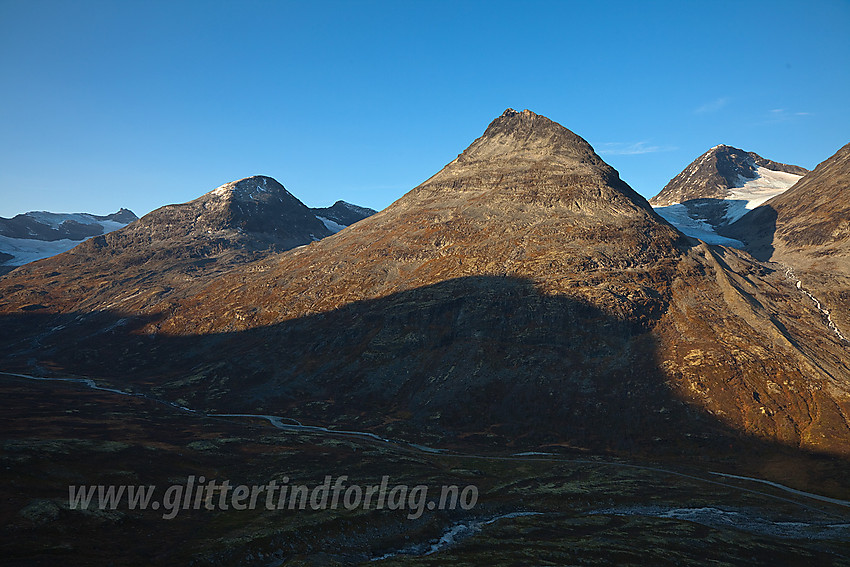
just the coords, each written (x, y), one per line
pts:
(332, 226)
(750, 193)
(678, 216)
(26, 250)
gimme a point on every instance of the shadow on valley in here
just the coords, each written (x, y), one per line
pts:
(756, 230)
(479, 363)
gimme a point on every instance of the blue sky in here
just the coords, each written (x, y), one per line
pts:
(144, 103)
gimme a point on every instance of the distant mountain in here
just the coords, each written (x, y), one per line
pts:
(718, 188)
(523, 296)
(256, 212)
(176, 247)
(39, 234)
(341, 215)
(808, 229)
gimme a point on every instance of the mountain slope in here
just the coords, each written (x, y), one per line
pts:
(528, 193)
(808, 229)
(171, 249)
(522, 296)
(718, 188)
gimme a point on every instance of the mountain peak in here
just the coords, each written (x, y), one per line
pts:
(526, 165)
(510, 113)
(250, 188)
(342, 213)
(718, 172)
(256, 209)
(522, 138)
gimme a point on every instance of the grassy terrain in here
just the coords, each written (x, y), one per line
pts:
(586, 510)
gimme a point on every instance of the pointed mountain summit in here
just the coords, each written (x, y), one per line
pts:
(528, 136)
(525, 157)
(718, 188)
(717, 173)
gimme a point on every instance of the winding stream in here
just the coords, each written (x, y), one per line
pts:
(710, 516)
(452, 535)
(296, 426)
(827, 317)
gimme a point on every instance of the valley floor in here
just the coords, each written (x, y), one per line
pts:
(533, 508)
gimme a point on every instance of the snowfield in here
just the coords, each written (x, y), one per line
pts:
(678, 216)
(744, 197)
(751, 193)
(26, 250)
(332, 226)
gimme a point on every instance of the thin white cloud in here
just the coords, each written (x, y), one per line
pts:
(775, 115)
(712, 106)
(631, 149)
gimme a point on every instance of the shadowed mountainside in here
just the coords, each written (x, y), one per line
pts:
(522, 295)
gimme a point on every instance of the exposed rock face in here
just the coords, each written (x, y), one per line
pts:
(718, 188)
(342, 213)
(715, 173)
(523, 295)
(808, 229)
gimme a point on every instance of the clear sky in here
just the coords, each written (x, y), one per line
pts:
(130, 103)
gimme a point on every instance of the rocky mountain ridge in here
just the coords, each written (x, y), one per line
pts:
(342, 213)
(715, 173)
